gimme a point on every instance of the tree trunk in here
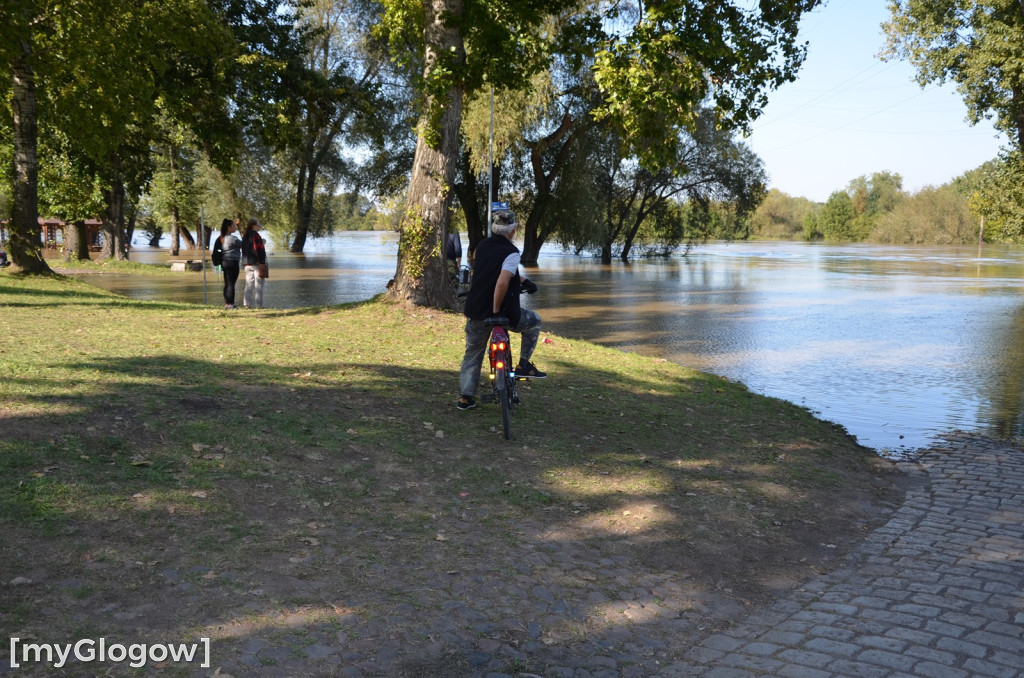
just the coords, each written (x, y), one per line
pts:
(175, 233)
(467, 194)
(114, 245)
(130, 226)
(186, 235)
(76, 242)
(532, 237)
(421, 277)
(25, 244)
(303, 205)
(566, 135)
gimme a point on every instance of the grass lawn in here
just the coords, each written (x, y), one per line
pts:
(148, 447)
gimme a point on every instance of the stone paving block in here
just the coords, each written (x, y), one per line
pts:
(832, 647)
(832, 633)
(852, 669)
(883, 643)
(911, 636)
(803, 672)
(805, 658)
(996, 640)
(932, 670)
(978, 667)
(748, 662)
(722, 643)
(728, 672)
(889, 660)
(926, 611)
(931, 654)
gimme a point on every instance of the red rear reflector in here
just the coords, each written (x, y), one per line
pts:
(499, 365)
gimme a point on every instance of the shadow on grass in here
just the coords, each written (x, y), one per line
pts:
(353, 505)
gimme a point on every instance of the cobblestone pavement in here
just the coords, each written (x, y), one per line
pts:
(936, 592)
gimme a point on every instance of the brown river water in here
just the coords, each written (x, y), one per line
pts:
(897, 344)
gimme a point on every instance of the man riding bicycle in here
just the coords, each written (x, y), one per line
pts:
(495, 291)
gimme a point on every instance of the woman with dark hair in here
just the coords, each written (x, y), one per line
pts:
(227, 254)
(254, 258)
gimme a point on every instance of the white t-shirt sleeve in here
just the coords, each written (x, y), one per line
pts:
(511, 263)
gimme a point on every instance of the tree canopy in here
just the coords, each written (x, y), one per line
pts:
(978, 45)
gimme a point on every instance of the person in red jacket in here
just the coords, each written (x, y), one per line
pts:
(254, 259)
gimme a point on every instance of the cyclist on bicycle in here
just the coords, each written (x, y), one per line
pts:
(495, 291)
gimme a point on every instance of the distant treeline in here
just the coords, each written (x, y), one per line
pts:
(876, 209)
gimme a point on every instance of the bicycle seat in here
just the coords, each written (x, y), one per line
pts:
(496, 320)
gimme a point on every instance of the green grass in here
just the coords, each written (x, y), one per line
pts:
(173, 433)
(82, 369)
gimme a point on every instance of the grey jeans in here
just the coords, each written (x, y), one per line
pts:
(477, 335)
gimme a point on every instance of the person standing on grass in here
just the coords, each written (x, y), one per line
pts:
(495, 292)
(230, 248)
(254, 256)
(453, 254)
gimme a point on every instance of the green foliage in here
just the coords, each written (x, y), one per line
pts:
(517, 116)
(679, 56)
(851, 215)
(259, 187)
(175, 190)
(811, 229)
(507, 43)
(66, 190)
(836, 217)
(780, 216)
(715, 182)
(933, 215)
(996, 193)
(977, 45)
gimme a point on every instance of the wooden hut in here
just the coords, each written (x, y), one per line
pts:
(53, 233)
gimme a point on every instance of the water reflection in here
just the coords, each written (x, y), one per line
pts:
(897, 344)
(1003, 406)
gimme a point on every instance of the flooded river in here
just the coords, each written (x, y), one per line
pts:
(897, 344)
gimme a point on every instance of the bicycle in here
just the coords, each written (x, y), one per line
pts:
(503, 372)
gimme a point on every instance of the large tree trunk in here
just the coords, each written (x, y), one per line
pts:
(25, 243)
(532, 238)
(304, 205)
(114, 245)
(421, 276)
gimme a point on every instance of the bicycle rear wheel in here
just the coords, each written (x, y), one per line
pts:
(505, 396)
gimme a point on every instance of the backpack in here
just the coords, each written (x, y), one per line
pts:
(218, 253)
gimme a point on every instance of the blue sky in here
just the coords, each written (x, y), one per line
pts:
(850, 114)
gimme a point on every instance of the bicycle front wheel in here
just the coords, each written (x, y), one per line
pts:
(505, 396)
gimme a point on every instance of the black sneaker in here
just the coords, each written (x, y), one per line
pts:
(466, 403)
(528, 370)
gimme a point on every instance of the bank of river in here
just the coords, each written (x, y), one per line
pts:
(897, 344)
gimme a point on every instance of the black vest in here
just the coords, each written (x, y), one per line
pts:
(490, 255)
